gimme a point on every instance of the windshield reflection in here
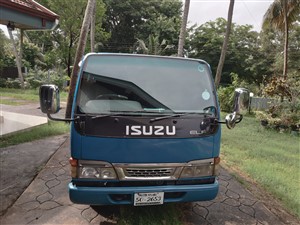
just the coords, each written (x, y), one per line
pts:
(170, 87)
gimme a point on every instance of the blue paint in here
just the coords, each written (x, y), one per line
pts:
(102, 195)
(142, 150)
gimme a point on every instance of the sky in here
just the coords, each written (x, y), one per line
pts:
(245, 11)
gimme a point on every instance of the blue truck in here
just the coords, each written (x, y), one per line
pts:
(145, 130)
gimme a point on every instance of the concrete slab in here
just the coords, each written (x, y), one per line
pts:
(19, 165)
(13, 122)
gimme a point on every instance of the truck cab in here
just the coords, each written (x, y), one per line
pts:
(145, 130)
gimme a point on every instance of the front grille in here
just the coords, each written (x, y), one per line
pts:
(154, 172)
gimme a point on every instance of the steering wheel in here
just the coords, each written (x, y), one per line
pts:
(112, 97)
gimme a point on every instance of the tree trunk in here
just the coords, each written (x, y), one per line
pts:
(17, 57)
(224, 47)
(21, 46)
(79, 53)
(183, 28)
(286, 40)
(92, 32)
(69, 59)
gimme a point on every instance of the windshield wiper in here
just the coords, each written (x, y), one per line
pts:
(115, 113)
(178, 115)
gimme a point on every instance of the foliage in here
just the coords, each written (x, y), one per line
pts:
(6, 56)
(32, 54)
(38, 77)
(130, 20)
(62, 42)
(294, 47)
(274, 16)
(2, 51)
(2, 82)
(226, 94)
(153, 46)
(244, 53)
(280, 16)
(285, 112)
(35, 79)
(13, 83)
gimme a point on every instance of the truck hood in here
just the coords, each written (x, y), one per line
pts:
(135, 150)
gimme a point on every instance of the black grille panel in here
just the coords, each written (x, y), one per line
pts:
(159, 172)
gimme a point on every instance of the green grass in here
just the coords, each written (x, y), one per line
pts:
(272, 159)
(20, 94)
(168, 214)
(43, 131)
(10, 102)
(30, 95)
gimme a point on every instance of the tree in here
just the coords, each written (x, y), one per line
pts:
(79, 53)
(294, 48)
(153, 47)
(130, 20)
(18, 62)
(64, 39)
(249, 55)
(92, 30)
(280, 15)
(224, 47)
(183, 28)
(3, 51)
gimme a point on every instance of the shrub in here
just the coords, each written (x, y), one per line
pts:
(13, 83)
(39, 77)
(226, 98)
(286, 110)
(226, 94)
(2, 82)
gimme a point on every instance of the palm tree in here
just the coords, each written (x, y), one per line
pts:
(183, 28)
(153, 47)
(280, 15)
(225, 42)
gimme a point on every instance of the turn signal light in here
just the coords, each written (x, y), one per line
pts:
(73, 162)
(217, 160)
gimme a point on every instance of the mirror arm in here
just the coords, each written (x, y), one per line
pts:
(224, 122)
(239, 119)
(221, 122)
(62, 120)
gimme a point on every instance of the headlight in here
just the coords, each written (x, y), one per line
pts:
(201, 168)
(96, 170)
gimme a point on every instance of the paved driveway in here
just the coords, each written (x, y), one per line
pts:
(46, 201)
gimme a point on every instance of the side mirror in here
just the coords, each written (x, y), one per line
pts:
(49, 99)
(241, 105)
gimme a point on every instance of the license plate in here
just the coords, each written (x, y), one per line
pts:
(153, 198)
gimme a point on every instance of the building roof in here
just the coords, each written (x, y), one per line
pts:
(27, 14)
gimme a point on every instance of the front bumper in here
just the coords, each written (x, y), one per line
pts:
(124, 195)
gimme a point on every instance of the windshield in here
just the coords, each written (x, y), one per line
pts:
(143, 85)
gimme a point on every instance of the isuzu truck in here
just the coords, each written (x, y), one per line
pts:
(145, 130)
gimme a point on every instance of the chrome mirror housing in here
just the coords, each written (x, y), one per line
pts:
(49, 98)
(241, 105)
